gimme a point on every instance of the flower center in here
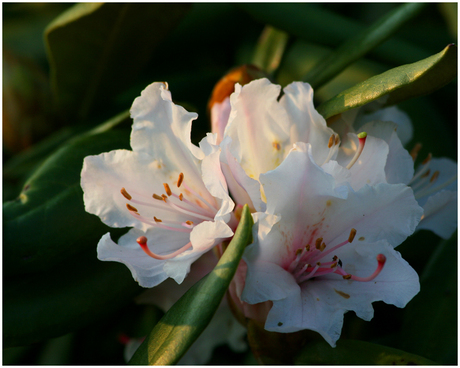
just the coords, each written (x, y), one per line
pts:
(312, 262)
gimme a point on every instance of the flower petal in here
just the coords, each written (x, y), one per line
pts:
(103, 176)
(258, 126)
(440, 214)
(307, 125)
(161, 129)
(399, 166)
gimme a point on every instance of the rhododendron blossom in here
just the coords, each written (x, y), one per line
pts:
(170, 191)
(322, 248)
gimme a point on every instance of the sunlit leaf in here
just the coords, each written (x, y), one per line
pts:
(48, 222)
(401, 83)
(353, 352)
(186, 319)
(430, 324)
(361, 43)
(96, 50)
(270, 49)
(67, 297)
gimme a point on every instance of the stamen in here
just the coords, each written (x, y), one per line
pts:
(125, 194)
(167, 189)
(337, 139)
(381, 259)
(180, 180)
(352, 235)
(318, 243)
(331, 141)
(181, 196)
(157, 219)
(131, 208)
(189, 222)
(156, 196)
(362, 141)
(414, 151)
(142, 241)
(164, 197)
(434, 177)
(428, 159)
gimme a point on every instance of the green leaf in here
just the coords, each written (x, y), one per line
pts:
(353, 352)
(433, 312)
(67, 297)
(360, 44)
(401, 83)
(186, 319)
(270, 49)
(97, 50)
(48, 222)
(314, 23)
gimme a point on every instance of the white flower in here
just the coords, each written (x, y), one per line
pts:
(322, 249)
(435, 180)
(170, 191)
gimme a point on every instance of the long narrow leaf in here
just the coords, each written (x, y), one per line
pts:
(401, 83)
(184, 322)
(359, 45)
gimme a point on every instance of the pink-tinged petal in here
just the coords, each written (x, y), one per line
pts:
(393, 114)
(399, 166)
(326, 299)
(258, 126)
(103, 177)
(370, 166)
(442, 176)
(161, 129)
(208, 234)
(213, 177)
(440, 214)
(244, 189)
(220, 112)
(307, 125)
(146, 271)
(312, 206)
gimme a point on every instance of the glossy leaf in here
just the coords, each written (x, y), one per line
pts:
(67, 297)
(48, 222)
(360, 44)
(97, 50)
(270, 48)
(314, 23)
(186, 319)
(399, 84)
(430, 324)
(353, 352)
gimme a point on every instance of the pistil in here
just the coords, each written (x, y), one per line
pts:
(142, 241)
(362, 141)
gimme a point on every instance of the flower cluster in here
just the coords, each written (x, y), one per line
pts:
(330, 203)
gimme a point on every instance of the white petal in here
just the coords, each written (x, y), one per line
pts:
(440, 214)
(447, 179)
(395, 115)
(103, 177)
(326, 299)
(399, 166)
(258, 126)
(147, 271)
(220, 112)
(370, 166)
(214, 179)
(307, 125)
(244, 189)
(162, 130)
